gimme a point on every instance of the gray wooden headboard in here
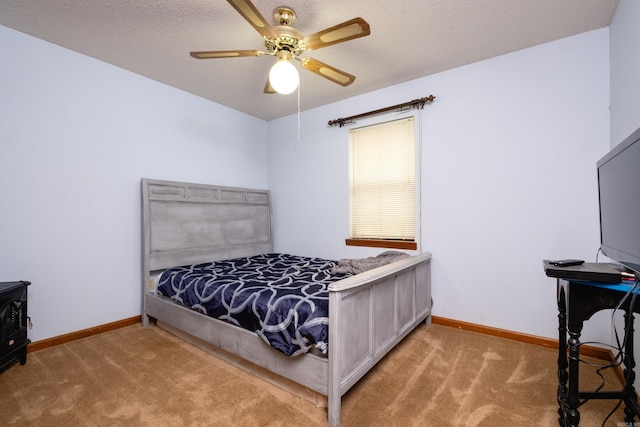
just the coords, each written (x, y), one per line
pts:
(184, 223)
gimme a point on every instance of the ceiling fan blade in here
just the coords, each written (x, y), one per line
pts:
(254, 17)
(268, 89)
(327, 71)
(225, 53)
(348, 30)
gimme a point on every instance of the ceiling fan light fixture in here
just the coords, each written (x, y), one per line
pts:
(283, 76)
(287, 43)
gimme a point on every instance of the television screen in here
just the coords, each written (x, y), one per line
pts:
(619, 194)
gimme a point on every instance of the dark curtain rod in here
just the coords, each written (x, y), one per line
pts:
(416, 103)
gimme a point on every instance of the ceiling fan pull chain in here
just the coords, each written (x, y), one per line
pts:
(298, 110)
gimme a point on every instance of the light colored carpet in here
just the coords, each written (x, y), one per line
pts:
(438, 376)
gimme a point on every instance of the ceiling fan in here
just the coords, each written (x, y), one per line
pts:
(287, 43)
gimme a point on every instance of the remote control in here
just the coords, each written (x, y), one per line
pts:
(566, 262)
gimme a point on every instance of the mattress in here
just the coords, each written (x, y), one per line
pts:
(283, 298)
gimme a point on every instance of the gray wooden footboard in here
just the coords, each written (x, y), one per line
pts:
(369, 313)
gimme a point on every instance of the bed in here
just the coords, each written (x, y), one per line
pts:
(369, 313)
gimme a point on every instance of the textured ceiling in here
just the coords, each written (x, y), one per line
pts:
(409, 39)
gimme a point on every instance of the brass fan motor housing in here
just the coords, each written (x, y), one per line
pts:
(289, 39)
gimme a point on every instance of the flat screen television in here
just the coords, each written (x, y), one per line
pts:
(619, 195)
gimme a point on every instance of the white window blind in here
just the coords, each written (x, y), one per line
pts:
(382, 181)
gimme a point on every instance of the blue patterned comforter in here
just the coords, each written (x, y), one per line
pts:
(283, 298)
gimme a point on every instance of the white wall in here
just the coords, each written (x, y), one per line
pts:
(625, 70)
(76, 136)
(500, 137)
(625, 93)
(509, 179)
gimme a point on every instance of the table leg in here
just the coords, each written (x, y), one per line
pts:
(630, 397)
(573, 394)
(563, 375)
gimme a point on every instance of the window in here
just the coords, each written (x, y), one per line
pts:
(382, 185)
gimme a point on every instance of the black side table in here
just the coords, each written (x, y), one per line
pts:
(577, 302)
(13, 323)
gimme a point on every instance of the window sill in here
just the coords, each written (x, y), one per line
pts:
(379, 243)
